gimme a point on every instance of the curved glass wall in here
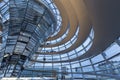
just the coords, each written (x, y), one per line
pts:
(68, 44)
(51, 57)
(51, 42)
(56, 12)
(103, 66)
(46, 66)
(62, 47)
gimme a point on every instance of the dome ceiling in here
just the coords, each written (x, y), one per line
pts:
(94, 18)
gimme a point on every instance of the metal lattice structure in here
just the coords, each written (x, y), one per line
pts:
(60, 39)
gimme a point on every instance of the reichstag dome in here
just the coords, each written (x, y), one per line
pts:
(59, 39)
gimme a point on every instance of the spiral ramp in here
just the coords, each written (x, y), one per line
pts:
(85, 45)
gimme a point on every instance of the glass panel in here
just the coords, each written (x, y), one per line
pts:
(23, 38)
(112, 50)
(81, 52)
(115, 59)
(20, 47)
(86, 62)
(97, 58)
(87, 69)
(89, 46)
(9, 49)
(79, 48)
(72, 56)
(87, 42)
